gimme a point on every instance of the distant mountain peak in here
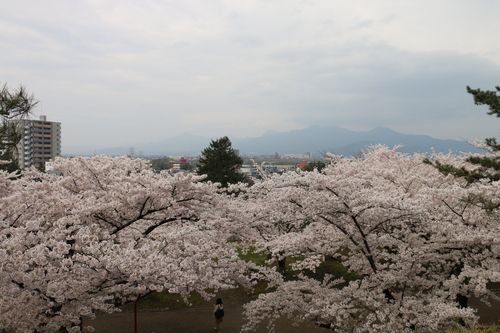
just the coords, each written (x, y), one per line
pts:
(314, 127)
(382, 129)
(315, 139)
(270, 133)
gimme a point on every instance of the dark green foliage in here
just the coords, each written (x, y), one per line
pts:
(487, 97)
(491, 99)
(161, 163)
(41, 167)
(220, 163)
(15, 104)
(320, 165)
(470, 175)
(8, 155)
(489, 167)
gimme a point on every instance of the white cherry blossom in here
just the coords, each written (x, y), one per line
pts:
(109, 230)
(417, 246)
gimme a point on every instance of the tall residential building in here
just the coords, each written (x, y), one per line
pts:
(40, 143)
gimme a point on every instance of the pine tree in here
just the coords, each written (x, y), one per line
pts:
(487, 97)
(488, 167)
(220, 163)
(15, 104)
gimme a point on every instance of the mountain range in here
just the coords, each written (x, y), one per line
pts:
(314, 139)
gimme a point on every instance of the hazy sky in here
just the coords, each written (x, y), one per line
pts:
(123, 71)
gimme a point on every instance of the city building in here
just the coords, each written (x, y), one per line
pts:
(305, 155)
(181, 165)
(40, 142)
(302, 165)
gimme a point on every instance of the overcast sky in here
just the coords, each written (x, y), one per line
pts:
(118, 72)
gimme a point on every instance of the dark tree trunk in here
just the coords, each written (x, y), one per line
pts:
(463, 301)
(282, 265)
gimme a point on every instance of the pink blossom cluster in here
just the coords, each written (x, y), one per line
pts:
(415, 241)
(108, 230)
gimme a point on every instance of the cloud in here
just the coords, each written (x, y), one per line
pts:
(116, 72)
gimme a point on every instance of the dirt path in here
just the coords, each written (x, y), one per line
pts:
(198, 319)
(191, 320)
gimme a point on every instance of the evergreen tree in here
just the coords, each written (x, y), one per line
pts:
(487, 167)
(487, 97)
(220, 163)
(15, 104)
(319, 165)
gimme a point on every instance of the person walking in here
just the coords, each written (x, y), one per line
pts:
(218, 314)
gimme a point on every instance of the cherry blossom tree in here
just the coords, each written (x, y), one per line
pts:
(106, 232)
(110, 230)
(408, 233)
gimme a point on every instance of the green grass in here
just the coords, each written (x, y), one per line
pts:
(329, 266)
(258, 258)
(166, 301)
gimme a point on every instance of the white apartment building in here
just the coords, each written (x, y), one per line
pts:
(40, 143)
